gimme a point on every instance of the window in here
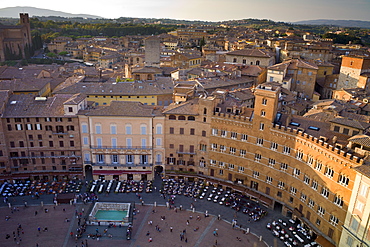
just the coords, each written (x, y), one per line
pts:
(311, 203)
(256, 174)
(204, 133)
(283, 166)
(293, 190)
(325, 192)
(318, 165)
(29, 127)
(71, 143)
(221, 164)
(143, 143)
(272, 162)
(221, 172)
(349, 241)
(257, 157)
(172, 130)
(343, 180)
(363, 190)
(262, 126)
(281, 185)
(274, 146)
(345, 131)
(286, 150)
(215, 132)
(318, 222)
(259, 141)
(296, 172)
(114, 142)
(61, 144)
(243, 152)
(128, 130)
(268, 179)
(299, 155)
(97, 129)
(129, 159)
(181, 131)
(329, 172)
(309, 160)
(359, 206)
(144, 159)
(115, 158)
(203, 147)
(113, 129)
(306, 179)
(233, 135)
(338, 200)
(85, 140)
(159, 142)
(100, 158)
(303, 197)
(50, 128)
(192, 131)
(214, 146)
(231, 166)
(19, 127)
(143, 130)
(222, 148)
(314, 184)
(336, 128)
(333, 220)
(240, 169)
(223, 133)
(232, 150)
(51, 144)
(244, 137)
(264, 101)
(320, 211)
(99, 142)
(159, 129)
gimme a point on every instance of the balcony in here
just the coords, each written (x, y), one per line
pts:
(120, 165)
(121, 147)
(181, 151)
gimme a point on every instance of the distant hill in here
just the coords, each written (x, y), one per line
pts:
(13, 12)
(339, 23)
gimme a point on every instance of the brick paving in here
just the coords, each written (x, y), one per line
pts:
(58, 229)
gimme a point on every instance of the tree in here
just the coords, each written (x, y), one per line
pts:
(51, 54)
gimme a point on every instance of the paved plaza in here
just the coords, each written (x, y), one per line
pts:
(52, 225)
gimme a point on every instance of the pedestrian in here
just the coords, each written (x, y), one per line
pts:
(150, 239)
(39, 229)
(216, 242)
(171, 228)
(35, 213)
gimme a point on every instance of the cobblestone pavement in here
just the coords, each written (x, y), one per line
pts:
(58, 230)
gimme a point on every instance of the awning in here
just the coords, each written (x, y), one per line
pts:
(324, 242)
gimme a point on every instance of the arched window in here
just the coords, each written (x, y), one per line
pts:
(191, 118)
(182, 118)
(172, 117)
(204, 111)
(258, 62)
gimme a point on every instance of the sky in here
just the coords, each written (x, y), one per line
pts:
(209, 10)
